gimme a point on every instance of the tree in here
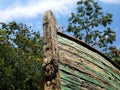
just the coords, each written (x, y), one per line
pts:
(87, 23)
(20, 57)
(114, 53)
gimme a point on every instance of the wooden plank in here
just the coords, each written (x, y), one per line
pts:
(82, 63)
(50, 65)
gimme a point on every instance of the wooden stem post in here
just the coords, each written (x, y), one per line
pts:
(50, 65)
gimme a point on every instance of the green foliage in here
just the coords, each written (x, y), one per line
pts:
(86, 24)
(20, 57)
(114, 53)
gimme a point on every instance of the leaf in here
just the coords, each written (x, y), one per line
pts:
(3, 25)
(80, 9)
(80, 2)
(104, 23)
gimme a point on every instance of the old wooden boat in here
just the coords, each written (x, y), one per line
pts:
(71, 64)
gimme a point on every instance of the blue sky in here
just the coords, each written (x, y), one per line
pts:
(31, 12)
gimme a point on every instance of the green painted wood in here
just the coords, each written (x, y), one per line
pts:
(84, 77)
(84, 69)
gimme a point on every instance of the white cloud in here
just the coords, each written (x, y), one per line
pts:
(34, 8)
(111, 1)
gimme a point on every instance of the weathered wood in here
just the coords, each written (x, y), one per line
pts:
(80, 66)
(84, 69)
(50, 65)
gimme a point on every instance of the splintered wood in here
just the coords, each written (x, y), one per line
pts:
(50, 65)
(80, 67)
